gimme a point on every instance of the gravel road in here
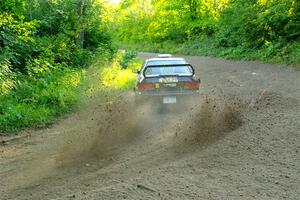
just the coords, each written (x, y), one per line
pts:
(239, 139)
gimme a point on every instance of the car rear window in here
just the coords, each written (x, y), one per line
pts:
(153, 71)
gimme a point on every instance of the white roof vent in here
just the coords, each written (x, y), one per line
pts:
(164, 55)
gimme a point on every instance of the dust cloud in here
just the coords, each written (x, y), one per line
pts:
(101, 132)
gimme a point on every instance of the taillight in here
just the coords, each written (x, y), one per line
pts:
(192, 85)
(146, 86)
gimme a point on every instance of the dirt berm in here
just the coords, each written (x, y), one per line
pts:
(238, 139)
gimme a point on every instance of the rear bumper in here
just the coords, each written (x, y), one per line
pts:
(167, 93)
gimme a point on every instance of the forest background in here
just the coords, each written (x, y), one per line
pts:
(49, 48)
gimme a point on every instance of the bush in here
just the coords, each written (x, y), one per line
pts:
(126, 58)
(42, 52)
(7, 77)
(36, 99)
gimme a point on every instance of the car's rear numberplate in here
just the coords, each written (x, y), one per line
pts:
(170, 84)
(168, 100)
(168, 80)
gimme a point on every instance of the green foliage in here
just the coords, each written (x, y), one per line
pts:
(127, 58)
(289, 54)
(66, 32)
(39, 97)
(15, 7)
(7, 77)
(15, 40)
(115, 76)
(254, 29)
(43, 47)
(158, 21)
(257, 24)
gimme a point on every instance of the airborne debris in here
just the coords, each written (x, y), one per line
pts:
(5, 142)
(145, 187)
(71, 196)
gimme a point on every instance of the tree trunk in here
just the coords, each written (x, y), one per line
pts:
(81, 10)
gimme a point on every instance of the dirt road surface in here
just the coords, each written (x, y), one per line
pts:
(239, 139)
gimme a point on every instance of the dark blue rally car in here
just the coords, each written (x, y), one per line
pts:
(167, 78)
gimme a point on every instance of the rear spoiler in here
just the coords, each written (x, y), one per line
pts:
(170, 65)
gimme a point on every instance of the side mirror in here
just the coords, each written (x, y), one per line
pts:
(135, 71)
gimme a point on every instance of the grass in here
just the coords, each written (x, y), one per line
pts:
(34, 101)
(113, 77)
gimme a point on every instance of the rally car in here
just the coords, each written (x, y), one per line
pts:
(167, 78)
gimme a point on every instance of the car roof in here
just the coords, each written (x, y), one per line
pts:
(158, 59)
